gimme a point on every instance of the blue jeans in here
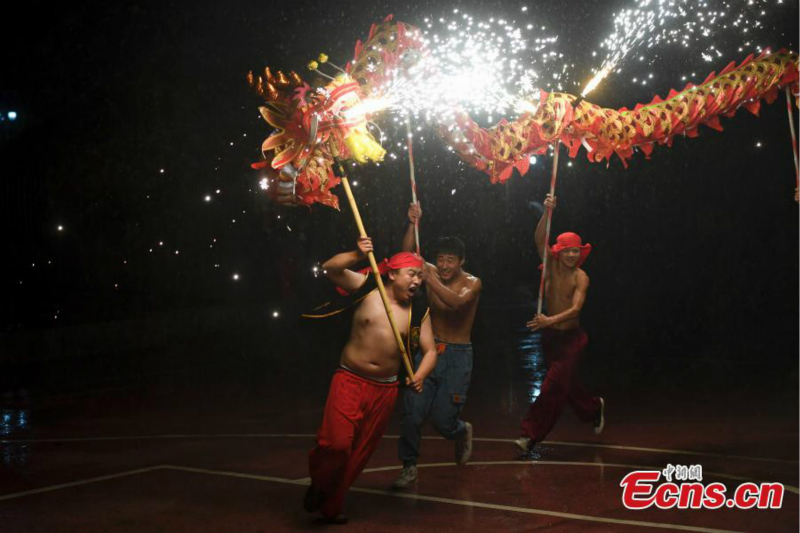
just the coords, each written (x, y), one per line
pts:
(443, 396)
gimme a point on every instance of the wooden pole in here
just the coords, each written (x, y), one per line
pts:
(376, 273)
(553, 176)
(794, 138)
(413, 179)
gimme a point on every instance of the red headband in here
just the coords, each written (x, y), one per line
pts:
(397, 261)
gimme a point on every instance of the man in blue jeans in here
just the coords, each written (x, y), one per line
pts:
(453, 299)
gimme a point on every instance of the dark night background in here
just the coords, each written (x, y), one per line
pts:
(695, 251)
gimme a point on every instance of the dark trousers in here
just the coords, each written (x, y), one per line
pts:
(562, 352)
(443, 396)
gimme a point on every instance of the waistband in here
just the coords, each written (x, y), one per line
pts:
(390, 381)
(551, 332)
(453, 346)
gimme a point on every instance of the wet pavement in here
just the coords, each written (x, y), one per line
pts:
(222, 447)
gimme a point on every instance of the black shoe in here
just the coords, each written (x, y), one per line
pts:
(313, 499)
(339, 519)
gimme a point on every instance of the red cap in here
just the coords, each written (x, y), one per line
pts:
(571, 240)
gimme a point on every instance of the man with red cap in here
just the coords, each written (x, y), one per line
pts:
(364, 389)
(563, 339)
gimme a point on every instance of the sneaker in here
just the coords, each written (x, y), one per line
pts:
(407, 479)
(464, 446)
(600, 419)
(313, 499)
(524, 444)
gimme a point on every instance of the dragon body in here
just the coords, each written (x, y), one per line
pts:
(313, 127)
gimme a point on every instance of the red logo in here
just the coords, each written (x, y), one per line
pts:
(641, 490)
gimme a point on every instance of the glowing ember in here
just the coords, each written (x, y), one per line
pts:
(693, 25)
(478, 66)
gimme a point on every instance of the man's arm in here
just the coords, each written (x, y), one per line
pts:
(541, 228)
(409, 239)
(337, 267)
(428, 347)
(453, 300)
(578, 299)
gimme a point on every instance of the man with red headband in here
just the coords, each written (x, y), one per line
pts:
(563, 339)
(364, 389)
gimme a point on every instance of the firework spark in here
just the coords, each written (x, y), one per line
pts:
(690, 24)
(484, 67)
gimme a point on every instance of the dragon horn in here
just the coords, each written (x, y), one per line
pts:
(282, 81)
(272, 92)
(296, 79)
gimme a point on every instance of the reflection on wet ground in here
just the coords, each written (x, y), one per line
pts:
(251, 409)
(531, 362)
(14, 422)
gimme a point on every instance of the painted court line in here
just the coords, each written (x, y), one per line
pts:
(529, 510)
(419, 497)
(307, 435)
(77, 483)
(648, 450)
(789, 488)
(676, 452)
(143, 471)
(479, 505)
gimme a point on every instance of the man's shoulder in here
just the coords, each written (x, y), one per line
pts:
(582, 275)
(368, 296)
(471, 280)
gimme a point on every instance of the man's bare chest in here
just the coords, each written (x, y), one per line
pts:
(437, 305)
(371, 315)
(560, 286)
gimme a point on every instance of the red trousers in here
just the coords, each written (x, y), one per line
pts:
(562, 352)
(356, 415)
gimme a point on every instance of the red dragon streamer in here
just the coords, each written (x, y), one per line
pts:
(312, 124)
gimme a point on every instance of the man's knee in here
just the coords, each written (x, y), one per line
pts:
(413, 417)
(448, 426)
(337, 445)
(445, 417)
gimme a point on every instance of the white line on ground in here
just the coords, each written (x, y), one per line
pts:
(311, 436)
(789, 488)
(529, 510)
(77, 483)
(480, 505)
(420, 497)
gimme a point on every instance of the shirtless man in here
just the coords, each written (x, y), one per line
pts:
(364, 389)
(453, 298)
(563, 339)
